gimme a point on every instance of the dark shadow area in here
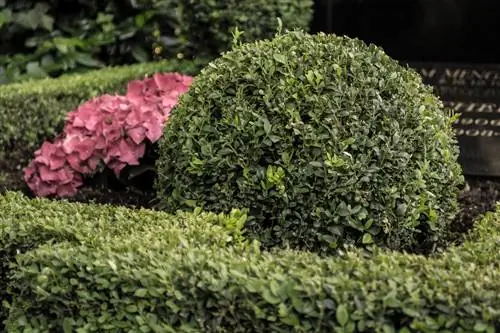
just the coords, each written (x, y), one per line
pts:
(418, 30)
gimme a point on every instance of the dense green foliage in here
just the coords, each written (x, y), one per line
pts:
(42, 38)
(324, 139)
(209, 25)
(31, 112)
(117, 270)
(28, 224)
(48, 38)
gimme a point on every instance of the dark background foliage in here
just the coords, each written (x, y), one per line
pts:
(53, 37)
(209, 25)
(48, 38)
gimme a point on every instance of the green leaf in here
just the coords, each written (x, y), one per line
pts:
(131, 308)
(141, 292)
(267, 125)
(337, 69)
(172, 306)
(140, 20)
(87, 60)
(67, 325)
(280, 58)
(480, 327)
(342, 315)
(5, 17)
(274, 138)
(342, 209)
(310, 76)
(47, 61)
(269, 297)
(275, 287)
(388, 329)
(316, 164)
(169, 41)
(367, 239)
(34, 70)
(47, 22)
(139, 54)
(291, 319)
(401, 210)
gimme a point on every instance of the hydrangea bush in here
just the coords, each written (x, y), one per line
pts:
(107, 131)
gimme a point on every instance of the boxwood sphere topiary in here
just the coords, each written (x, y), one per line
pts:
(208, 24)
(326, 140)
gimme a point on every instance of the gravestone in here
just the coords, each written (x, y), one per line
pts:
(452, 44)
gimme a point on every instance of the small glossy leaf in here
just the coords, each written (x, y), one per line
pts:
(367, 239)
(280, 58)
(67, 325)
(342, 315)
(141, 292)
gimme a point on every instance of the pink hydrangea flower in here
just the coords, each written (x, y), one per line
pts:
(50, 174)
(159, 88)
(109, 129)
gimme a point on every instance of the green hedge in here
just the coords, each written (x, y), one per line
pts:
(31, 112)
(27, 224)
(307, 132)
(143, 284)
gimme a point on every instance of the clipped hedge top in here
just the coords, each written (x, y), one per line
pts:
(215, 289)
(26, 224)
(325, 139)
(33, 111)
(29, 223)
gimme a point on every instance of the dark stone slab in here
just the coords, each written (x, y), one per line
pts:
(477, 155)
(473, 91)
(462, 82)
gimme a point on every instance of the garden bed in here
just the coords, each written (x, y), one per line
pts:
(46, 106)
(11, 178)
(195, 266)
(477, 198)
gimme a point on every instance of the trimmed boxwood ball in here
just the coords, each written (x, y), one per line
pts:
(326, 140)
(209, 24)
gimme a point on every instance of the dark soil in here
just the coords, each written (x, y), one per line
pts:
(479, 196)
(112, 193)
